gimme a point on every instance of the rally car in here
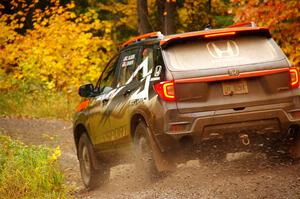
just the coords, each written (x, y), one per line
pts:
(161, 92)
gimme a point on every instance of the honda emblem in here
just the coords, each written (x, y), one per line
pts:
(223, 49)
(233, 72)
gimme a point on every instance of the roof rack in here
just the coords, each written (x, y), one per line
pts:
(142, 37)
(244, 24)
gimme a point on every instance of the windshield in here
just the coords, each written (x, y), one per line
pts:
(208, 54)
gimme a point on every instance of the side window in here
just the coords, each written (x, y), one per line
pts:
(107, 80)
(147, 56)
(127, 65)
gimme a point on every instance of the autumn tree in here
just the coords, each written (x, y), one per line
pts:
(158, 10)
(142, 14)
(197, 14)
(123, 16)
(282, 17)
(61, 51)
(162, 17)
(169, 17)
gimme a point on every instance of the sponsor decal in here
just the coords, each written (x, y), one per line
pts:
(128, 60)
(129, 57)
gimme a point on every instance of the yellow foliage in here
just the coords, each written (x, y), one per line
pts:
(122, 14)
(55, 155)
(60, 52)
(195, 14)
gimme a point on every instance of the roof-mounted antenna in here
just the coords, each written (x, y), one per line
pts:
(208, 27)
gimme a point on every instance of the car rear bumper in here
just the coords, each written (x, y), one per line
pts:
(270, 119)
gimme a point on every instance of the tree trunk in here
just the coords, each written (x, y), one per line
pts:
(209, 13)
(169, 17)
(160, 8)
(144, 25)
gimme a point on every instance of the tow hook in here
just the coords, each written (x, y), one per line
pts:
(245, 139)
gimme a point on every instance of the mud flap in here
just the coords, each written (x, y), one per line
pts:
(95, 162)
(294, 150)
(162, 163)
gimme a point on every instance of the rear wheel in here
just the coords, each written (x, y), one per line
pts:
(92, 175)
(144, 159)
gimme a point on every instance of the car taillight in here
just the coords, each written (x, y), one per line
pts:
(294, 77)
(165, 90)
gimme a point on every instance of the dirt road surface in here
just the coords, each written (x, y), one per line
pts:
(239, 176)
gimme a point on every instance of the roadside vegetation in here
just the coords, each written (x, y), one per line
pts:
(29, 171)
(38, 103)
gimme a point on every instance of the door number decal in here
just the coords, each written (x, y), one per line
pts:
(157, 70)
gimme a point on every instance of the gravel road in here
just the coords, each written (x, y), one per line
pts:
(242, 175)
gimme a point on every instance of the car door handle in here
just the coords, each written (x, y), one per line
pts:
(127, 92)
(104, 101)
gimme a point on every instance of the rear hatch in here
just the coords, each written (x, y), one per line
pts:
(227, 71)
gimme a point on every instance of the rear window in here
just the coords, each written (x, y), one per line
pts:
(208, 54)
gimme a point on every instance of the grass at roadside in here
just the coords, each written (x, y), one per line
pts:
(45, 104)
(29, 171)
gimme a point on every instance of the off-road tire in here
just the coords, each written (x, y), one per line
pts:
(144, 160)
(91, 177)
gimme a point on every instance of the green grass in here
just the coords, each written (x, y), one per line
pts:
(38, 104)
(29, 171)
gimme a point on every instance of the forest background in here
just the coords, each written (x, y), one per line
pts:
(49, 47)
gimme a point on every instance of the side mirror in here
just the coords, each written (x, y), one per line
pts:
(86, 90)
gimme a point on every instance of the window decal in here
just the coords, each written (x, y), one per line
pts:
(128, 60)
(157, 71)
(223, 49)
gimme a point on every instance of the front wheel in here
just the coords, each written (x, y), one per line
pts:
(92, 177)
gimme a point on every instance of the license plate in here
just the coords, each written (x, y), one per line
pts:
(235, 87)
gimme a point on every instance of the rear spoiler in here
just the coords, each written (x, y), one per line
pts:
(244, 24)
(225, 32)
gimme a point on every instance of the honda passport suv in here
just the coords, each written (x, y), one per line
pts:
(161, 93)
